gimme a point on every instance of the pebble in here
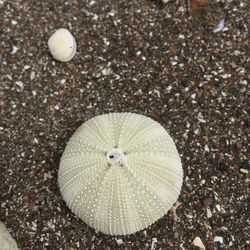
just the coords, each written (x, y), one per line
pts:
(209, 213)
(245, 165)
(222, 166)
(119, 242)
(198, 243)
(107, 71)
(14, 50)
(19, 84)
(244, 171)
(218, 239)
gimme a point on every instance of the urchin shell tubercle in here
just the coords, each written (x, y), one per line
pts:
(62, 45)
(120, 173)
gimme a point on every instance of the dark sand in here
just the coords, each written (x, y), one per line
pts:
(191, 80)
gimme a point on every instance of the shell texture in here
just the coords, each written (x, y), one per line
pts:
(120, 172)
(62, 45)
(7, 242)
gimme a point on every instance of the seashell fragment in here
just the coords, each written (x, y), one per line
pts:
(62, 45)
(120, 172)
(198, 243)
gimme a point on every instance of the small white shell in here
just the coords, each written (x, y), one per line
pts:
(120, 172)
(62, 45)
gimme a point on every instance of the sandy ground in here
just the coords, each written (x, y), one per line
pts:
(138, 56)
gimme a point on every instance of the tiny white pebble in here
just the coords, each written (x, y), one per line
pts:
(203, 182)
(13, 22)
(217, 207)
(107, 71)
(119, 242)
(209, 213)
(92, 2)
(19, 84)
(218, 239)
(193, 96)
(14, 50)
(244, 171)
(32, 75)
(33, 92)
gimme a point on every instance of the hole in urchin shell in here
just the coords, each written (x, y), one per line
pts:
(116, 157)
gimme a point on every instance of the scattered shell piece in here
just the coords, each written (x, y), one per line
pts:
(154, 240)
(119, 242)
(217, 207)
(209, 213)
(244, 171)
(220, 26)
(198, 243)
(62, 45)
(120, 172)
(13, 22)
(218, 239)
(6, 240)
(14, 50)
(107, 71)
(19, 84)
(173, 210)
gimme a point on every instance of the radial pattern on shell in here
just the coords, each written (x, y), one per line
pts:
(120, 172)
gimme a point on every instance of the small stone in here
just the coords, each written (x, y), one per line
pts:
(14, 22)
(19, 84)
(244, 171)
(222, 166)
(218, 207)
(107, 71)
(32, 75)
(14, 50)
(245, 165)
(198, 243)
(209, 213)
(218, 239)
(176, 235)
(119, 242)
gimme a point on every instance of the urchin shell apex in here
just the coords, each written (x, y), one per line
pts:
(120, 172)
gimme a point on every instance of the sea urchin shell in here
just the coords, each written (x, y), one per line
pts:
(120, 172)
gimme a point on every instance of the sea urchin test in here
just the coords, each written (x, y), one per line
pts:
(120, 172)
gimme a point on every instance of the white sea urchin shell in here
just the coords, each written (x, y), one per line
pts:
(120, 172)
(62, 45)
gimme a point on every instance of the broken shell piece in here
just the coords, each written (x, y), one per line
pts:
(62, 45)
(198, 243)
(6, 240)
(209, 213)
